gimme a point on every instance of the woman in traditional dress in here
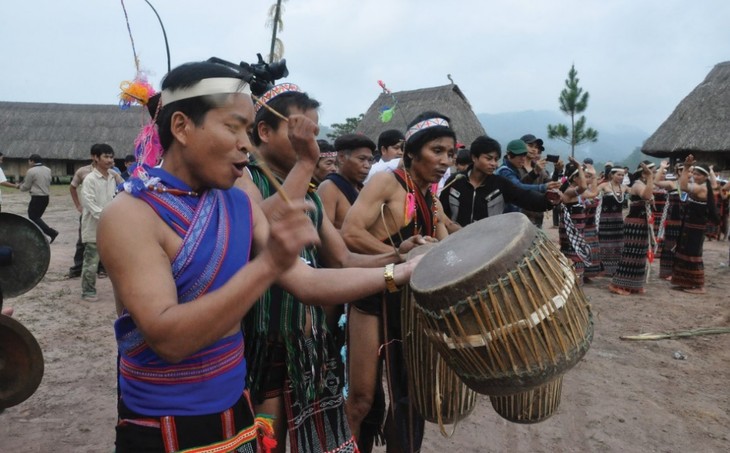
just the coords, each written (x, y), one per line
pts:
(631, 272)
(591, 204)
(611, 224)
(573, 214)
(670, 222)
(688, 272)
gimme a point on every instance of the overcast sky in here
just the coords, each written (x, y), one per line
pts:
(636, 58)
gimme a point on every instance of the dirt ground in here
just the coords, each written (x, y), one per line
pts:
(624, 396)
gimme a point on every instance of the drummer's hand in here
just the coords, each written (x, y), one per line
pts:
(411, 243)
(402, 272)
(302, 133)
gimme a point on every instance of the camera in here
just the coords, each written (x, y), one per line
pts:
(552, 158)
(260, 75)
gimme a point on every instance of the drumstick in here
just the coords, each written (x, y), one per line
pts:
(269, 175)
(458, 176)
(269, 108)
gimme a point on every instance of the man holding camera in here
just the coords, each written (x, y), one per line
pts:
(513, 168)
(534, 172)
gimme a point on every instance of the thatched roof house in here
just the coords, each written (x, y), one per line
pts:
(447, 99)
(62, 134)
(700, 125)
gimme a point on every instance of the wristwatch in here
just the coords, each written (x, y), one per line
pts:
(389, 274)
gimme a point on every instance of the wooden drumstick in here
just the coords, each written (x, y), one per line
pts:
(269, 108)
(456, 178)
(269, 175)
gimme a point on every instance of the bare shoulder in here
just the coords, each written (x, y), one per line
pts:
(383, 182)
(326, 187)
(246, 184)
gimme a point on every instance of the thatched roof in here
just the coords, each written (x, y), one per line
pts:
(66, 131)
(447, 99)
(700, 125)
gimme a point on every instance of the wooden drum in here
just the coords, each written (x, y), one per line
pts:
(503, 307)
(435, 390)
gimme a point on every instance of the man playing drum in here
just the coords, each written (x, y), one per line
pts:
(188, 256)
(296, 371)
(398, 209)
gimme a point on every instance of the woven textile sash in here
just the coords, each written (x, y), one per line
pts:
(582, 249)
(216, 232)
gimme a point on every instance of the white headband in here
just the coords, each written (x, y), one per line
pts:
(702, 170)
(425, 124)
(205, 87)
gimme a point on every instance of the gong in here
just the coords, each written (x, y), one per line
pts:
(24, 258)
(24, 255)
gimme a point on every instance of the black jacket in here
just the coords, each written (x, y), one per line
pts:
(464, 204)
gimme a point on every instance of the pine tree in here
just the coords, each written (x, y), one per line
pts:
(573, 102)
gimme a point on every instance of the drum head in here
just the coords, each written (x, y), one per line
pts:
(30, 254)
(478, 254)
(21, 363)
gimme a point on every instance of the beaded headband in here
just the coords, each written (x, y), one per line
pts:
(328, 154)
(432, 122)
(206, 87)
(274, 92)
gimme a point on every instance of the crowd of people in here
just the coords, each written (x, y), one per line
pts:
(257, 270)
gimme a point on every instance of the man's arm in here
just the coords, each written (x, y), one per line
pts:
(515, 179)
(73, 189)
(89, 198)
(303, 136)
(339, 286)
(525, 199)
(329, 194)
(136, 247)
(28, 180)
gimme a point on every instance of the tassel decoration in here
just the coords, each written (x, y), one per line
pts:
(265, 425)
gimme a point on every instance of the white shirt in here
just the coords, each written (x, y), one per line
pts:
(97, 191)
(2, 180)
(380, 166)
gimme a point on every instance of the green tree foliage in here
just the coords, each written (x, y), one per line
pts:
(348, 127)
(573, 102)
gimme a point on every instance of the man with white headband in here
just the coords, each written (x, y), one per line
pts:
(394, 210)
(298, 375)
(188, 256)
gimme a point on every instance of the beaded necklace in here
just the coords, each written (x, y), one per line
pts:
(412, 206)
(162, 189)
(613, 192)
